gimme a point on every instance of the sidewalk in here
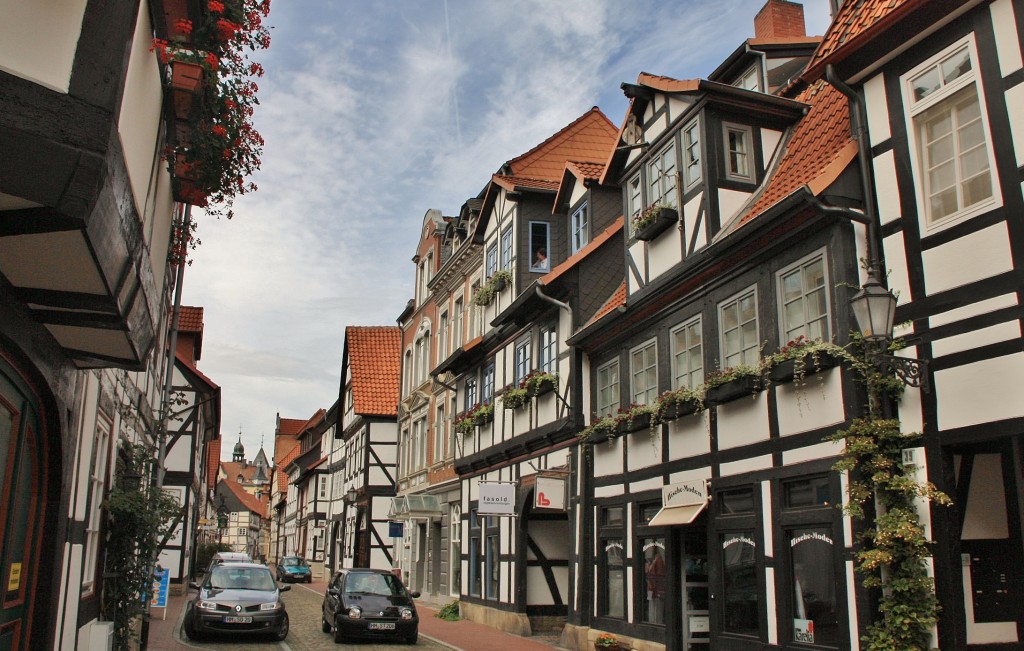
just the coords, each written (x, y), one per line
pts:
(463, 635)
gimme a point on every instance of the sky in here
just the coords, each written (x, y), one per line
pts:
(374, 113)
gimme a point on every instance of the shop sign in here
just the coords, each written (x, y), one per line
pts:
(803, 631)
(549, 493)
(497, 498)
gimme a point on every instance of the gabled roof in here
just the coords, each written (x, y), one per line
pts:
(232, 469)
(854, 26)
(583, 172)
(617, 300)
(248, 500)
(198, 375)
(290, 426)
(514, 183)
(588, 137)
(819, 149)
(374, 356)
(282, 476)
(190, 319)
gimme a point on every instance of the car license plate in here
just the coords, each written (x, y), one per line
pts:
(382, 626)
(233, 619)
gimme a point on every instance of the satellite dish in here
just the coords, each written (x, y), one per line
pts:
(632, 134)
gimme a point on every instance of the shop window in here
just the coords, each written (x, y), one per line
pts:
(740, 593)
(612, 563)
(493, 563)
(736, 501)
(813, 586)
(652, 578)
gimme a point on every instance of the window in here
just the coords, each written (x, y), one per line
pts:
(470, 395)
(442, 337)
(634, 198)
(94, 515)
(738, 146)
(691, 152)
(419, 434)
(476, 313)
(661, 178)
(608, 389)
(804, 300)
(643, 369)
(522, 359)
(740, 593)
(652, 609)
(950, 136)
(323, 487)
(547, 356)
(539, 247)
(738, 321)
(506, 248)
(455, 559)
(493, 560)
(440, 436)
(749, 80)
(579, 229)
(687, 355)
(242, 531)
(612, 563)
(492, 259)
(475, 582)
(487, 384)
(457, 331)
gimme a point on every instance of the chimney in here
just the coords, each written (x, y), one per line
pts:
(780, 19)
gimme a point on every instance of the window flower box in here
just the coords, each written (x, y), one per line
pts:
(514, 398)
(635, 418)
(653, 222)
(811, 363)
(743, 385)
(543, 387)
(676, 409)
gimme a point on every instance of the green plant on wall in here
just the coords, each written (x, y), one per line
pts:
(141, 515)
(895, 552)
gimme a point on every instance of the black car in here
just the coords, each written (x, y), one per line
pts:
(370, 605)
(237, 598)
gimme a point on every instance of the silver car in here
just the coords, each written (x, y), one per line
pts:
(237, 598)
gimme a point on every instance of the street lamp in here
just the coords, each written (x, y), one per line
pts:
(874, 309)
(350, 496)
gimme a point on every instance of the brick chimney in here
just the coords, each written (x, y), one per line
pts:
(780, 19)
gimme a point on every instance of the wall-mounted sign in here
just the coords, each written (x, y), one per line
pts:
(395, 529)
(681, 503)
(549, 493)
(497, 498)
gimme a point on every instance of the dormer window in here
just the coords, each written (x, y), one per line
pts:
(661, 177)
(749, 80)
(691, 152)
(738, 147)
(579, 229)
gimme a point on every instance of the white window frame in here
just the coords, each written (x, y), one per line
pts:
(323, 487)
(455, 551)
(915, 108)
(547, 349)
(440, 435)
(522, 358)
(507, 248)
(492, 259)
(662, 177)
(641, 390)
(747, 133)
(458, 330)
(634, 198)
(744, 80)
(744, 352)
(470, 392)
(691, 154)
(788, 331)
(442, 337)
(579, 228)
(693, 374)
(94, 512)
(608, 383)
(487, 383)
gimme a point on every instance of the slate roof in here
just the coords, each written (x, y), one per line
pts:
(575, 258)
(374, 356)
(819, 149)
(854, 26)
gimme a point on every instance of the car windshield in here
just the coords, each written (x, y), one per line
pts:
(232, 577)
(293, 562)
(378, 584)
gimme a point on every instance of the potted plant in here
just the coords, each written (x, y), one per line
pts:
(635, 418)
(653, 221)
(730, 383)
(490, 289)
(538, 383)
(465, 423)
(677, 403)
(514, 397)
(601, 429)
(606, 642)
(483, 414)
(801, 357)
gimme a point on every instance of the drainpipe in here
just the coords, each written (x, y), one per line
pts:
(859, 126)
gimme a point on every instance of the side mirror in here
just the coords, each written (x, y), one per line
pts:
(284, 588)
(415, 594)
(334, 592)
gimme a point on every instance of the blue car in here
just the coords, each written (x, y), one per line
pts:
(293, 568)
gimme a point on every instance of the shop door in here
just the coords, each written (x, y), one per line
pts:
(22, 501)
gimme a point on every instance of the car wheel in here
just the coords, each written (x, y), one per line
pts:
(412, 639)
(189, 625)
(324, 625)
(309, 578)
(338, 637)
(282, 632)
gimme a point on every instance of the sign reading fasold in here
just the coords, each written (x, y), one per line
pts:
(497, 498)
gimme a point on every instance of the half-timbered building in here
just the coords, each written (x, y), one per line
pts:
(515, 566)
(368, 432)
(286, 448)
(939, 88)
(309, 482)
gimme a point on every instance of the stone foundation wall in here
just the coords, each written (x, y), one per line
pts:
(515, 623)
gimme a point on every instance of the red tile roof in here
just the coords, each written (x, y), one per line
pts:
(374, 356)
(290, 426)
(617, 300)
(575, 258)
(192, 368)
(589, 137)
(232, 469)
(585, 171)
(512, 183)
(250, 501)
(212, 462)
(667, 84)
(819, 149)
(282, 476)
(854, 26)
(190, 319)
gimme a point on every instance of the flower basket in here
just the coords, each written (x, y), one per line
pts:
(176, 23)
(676, 409)
(607, 647)
(809, 364)
(744, 385)
(607, 642)
(484, 417)
(186, 80)
(499, 283)
(652, 224)
(627, 425)
(514, 398)
(543, 387)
